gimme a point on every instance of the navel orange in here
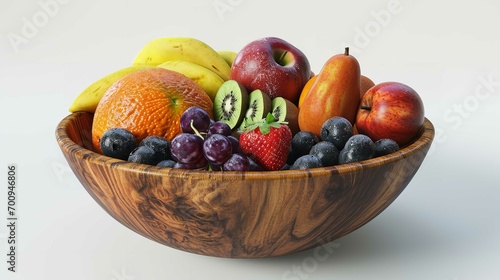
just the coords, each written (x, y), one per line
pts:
(148, 102)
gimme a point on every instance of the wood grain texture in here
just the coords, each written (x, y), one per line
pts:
(239, 214)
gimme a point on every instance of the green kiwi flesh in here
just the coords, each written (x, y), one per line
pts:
(259, 106)
(231, 103)
(285, 111)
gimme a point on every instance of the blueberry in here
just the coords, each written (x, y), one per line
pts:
(158, 144)
(302, 142)
(146, 155)
(385, 147)
(306, 162)
(336, 130)
(117, 143)
(166, 163)
(291, 156)
(254, 166)
(359, 147)
(327, 153)
(285, 167)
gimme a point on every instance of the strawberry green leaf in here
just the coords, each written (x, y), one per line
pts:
(265, 124)
(270, 118)
(251, 127)
(265, 128)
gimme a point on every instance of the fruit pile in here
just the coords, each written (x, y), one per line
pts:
(181, 104)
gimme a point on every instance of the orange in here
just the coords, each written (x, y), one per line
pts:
(148, 102)
(366, 84)
(306, 89)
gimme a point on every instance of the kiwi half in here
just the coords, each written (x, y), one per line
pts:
(259, 106)
(231, 103)
(285, 111)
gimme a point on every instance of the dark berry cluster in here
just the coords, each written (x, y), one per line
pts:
(338, 145)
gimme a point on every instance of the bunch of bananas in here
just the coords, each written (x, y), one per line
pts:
(191, 57)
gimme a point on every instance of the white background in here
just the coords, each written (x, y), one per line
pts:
(444, 226)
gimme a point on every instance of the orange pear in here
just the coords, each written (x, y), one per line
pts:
(335, 92)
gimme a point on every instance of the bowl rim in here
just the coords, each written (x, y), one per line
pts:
(425, 138)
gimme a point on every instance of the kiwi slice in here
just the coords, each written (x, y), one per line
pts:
(231, 103)
(285, 111)
(258, 108)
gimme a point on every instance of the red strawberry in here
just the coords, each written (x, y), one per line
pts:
(267, 142)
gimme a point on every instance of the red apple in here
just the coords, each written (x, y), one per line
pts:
(272, 65)
(390, 110)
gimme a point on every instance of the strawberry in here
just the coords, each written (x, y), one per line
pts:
(267, 142)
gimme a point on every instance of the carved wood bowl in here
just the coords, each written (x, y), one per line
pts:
(239, 214)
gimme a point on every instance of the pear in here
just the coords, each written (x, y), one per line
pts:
(335, 92)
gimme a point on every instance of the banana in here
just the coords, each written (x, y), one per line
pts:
(88, 99)
(193, 50)
(228, 56)
(206, 79)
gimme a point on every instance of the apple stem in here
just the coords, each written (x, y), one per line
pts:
(346, 52)
(281, 57)
(365, 108)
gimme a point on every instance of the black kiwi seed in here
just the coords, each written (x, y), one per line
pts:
(231, 99)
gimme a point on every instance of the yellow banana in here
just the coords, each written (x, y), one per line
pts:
(193, 50)
(88, 99)
(228, 56)
(206, 79)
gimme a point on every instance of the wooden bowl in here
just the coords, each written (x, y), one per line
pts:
(239, 214)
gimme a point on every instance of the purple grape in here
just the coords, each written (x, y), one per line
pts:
(186, 148)
(202, 163)
(200, 118)
(215, 167)
(235, 143)
(236, 162)
(219, 127)
(217, 148)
